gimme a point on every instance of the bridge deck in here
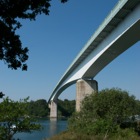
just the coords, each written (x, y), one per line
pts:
(116, 16)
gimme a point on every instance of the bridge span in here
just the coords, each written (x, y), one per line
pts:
(118, 32)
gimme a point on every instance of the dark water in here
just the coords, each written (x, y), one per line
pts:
(50, 128)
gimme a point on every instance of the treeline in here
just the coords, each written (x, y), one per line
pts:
(40, 108)
(66, 107)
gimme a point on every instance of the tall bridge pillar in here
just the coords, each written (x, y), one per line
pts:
(53, 109)
(84, 88)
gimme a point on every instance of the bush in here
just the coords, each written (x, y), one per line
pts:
(103, 113)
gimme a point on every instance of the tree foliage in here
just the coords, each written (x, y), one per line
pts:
(38, 108)
(66, 107)
(11, 11)
(104, 112)
(14, 118)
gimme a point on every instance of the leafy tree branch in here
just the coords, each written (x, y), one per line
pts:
(15, 118)
(11, 50)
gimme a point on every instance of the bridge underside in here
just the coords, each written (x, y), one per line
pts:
(97, 61)
(125, 35)
(121, 44)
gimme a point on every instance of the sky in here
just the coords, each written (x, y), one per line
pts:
(55, 40)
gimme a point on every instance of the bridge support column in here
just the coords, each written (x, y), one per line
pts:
(84, 88)
(53, 109)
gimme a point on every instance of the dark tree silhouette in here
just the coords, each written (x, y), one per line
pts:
(11, 11)
(1, 94)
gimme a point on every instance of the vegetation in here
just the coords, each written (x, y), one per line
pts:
(66, 108)
(15, 118)
(1, 94)
(110, 114)
(103, 113)
(12, 11)
(68, 135)
(18, 116)
(39, 108)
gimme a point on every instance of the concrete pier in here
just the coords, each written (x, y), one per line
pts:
(84, 88)
(53, 109)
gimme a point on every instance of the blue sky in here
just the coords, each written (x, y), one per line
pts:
(55, 40)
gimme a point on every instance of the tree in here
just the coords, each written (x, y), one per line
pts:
(38, 108)
(66, 107)
(14, 118)
(103, 113)
(1, 94)
(11, 50)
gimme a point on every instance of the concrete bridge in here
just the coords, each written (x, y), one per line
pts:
(119, 31)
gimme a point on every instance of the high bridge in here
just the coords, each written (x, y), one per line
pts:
(119, 31)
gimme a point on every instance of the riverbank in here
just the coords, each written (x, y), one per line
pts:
(67, 135)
